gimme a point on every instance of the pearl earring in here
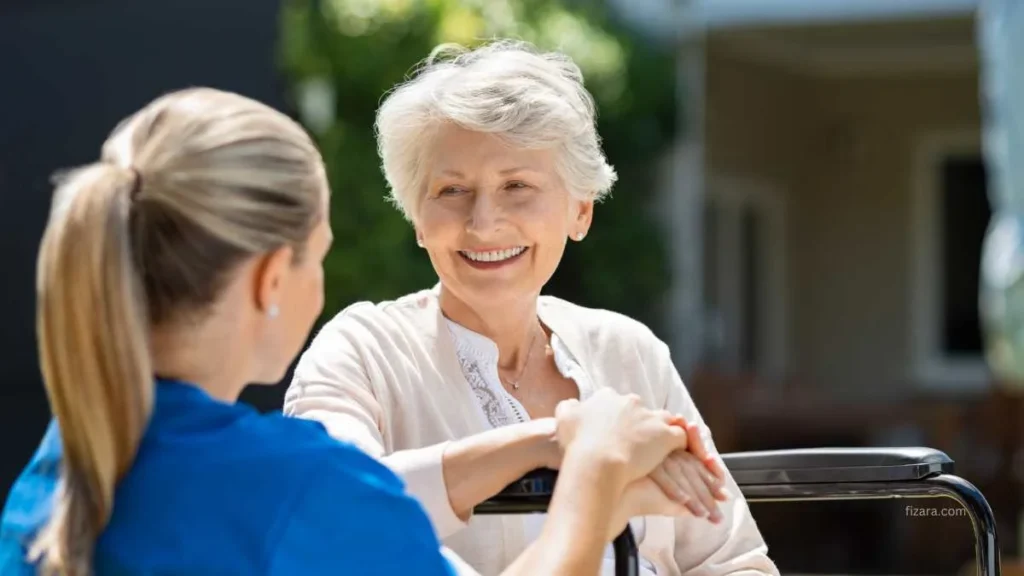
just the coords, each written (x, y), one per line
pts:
(579, 236)
(273, 311)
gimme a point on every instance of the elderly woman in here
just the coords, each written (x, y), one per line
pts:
(494, 158)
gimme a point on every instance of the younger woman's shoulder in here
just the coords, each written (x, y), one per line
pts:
(352, 512)
(307, 441)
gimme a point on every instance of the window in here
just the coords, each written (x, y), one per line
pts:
(950, 218)
(965, 215)
(744, 279)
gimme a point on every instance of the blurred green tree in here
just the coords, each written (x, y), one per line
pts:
(341, 56)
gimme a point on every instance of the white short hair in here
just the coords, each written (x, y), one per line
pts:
(531, 99)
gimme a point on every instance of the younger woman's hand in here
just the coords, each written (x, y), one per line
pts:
(619, 429)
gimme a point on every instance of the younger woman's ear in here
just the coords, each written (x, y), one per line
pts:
(270, 275)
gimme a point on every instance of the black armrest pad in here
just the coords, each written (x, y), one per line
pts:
(540, 482)
(531, 493)
(832, 465)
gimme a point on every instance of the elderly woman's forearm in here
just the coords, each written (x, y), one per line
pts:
(479, 466)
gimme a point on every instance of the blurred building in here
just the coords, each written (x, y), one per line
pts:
(829, 202)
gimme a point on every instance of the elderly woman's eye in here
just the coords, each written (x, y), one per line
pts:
(450, 191)
(517, 185)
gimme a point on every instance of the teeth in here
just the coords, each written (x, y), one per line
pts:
(494, 255)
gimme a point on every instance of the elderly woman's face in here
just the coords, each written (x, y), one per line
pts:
(495, 219)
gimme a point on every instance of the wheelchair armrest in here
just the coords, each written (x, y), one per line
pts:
(836, 465)
(531, 493)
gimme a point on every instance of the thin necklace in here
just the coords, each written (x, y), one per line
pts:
(515, 383)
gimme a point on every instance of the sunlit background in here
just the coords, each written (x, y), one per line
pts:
(806, 188)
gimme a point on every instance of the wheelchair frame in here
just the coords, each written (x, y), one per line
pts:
(806, 475)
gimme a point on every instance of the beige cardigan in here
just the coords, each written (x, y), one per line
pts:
(386, 378)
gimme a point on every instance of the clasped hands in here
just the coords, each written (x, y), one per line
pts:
(669, 469)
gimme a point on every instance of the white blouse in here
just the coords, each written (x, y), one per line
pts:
(386, 377)
(478, 356)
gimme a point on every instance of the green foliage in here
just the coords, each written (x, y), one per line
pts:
(342, 56)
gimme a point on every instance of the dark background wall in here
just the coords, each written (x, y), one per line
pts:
(69, 71)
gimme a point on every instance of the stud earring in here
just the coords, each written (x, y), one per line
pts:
(579, 236)
(273, 311)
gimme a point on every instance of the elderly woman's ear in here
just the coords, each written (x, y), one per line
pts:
(584, 216)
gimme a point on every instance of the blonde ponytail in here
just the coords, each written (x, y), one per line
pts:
(223, 178)
(93, 347)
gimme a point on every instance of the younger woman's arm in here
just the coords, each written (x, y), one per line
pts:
(580, 518)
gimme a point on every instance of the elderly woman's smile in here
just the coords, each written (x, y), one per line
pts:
(488, 259)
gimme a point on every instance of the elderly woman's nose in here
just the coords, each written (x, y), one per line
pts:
(485, 214)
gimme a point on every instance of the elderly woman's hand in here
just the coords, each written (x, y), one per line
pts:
(687, 481)
(681, 485)
(693, 477)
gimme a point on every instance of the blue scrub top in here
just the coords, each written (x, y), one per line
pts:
(218, 488)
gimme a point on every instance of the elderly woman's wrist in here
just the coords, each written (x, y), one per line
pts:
(546, 453)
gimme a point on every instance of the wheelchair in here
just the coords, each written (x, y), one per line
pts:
(805, 475)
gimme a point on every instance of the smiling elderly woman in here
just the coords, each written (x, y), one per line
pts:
(494, 158)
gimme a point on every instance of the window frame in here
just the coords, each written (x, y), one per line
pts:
(729, 196)
(930, 367)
